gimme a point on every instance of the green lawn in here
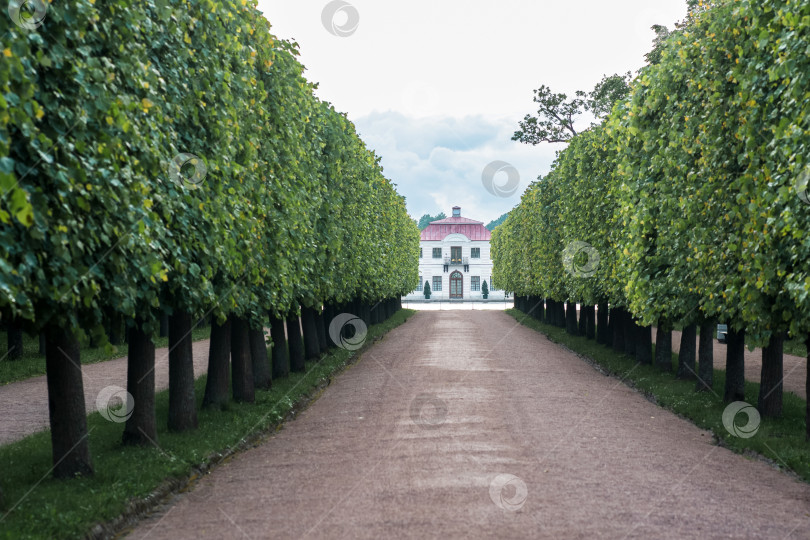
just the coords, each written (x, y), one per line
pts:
(69, 508)
(780, 440)
(32, 363)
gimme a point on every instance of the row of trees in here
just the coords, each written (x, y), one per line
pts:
(687, 205)
(169, 158)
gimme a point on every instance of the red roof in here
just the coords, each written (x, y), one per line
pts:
(474, 230)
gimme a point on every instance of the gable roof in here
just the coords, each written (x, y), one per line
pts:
(438, 230)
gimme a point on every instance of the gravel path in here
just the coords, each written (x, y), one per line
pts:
(25, 403)
(795, 367)
(463, 424)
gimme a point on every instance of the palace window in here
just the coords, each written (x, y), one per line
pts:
(475, 283)
(420, 253)
(437, 253)
(475, 253)
(437, 283)
(420, 286)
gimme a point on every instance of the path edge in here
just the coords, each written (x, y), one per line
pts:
(142, 507)
(715, 440)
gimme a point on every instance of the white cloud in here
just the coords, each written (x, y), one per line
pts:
(437, 87)
(437, 162)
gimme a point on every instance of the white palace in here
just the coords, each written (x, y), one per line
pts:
(454, 259)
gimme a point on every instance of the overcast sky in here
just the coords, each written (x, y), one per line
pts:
(437, 87)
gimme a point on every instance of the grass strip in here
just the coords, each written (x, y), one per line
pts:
(128, 480)
(781, 441)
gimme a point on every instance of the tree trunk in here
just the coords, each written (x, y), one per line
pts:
(320, 327)
(141, 426)
(663, 347)
(807, 389)
(66, 407)
(770, 382)
(312, 349)
(602, 323)
(687, 353)
(281, 363)
(571, 318)
(610, 326)
(561, 314)
(377, 314)
(164, 325)
(295, 344)
(539, 309)
(583, 320)
(258, 354)
(590, 322)
(42, 343)
(644, 345)
(116, 322)
(735, 366)
(706, 356)
(241, 363)
(15, 341)
(618, 318)
(219, 360)
(630, 330)
(182, 403)
(329, 313)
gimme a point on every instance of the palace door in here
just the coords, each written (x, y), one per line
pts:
(456, 285)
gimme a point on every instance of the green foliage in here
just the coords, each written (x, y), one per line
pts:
(426, 290)
(288, 206)
(484, 289)
(693, 191)
(556, 114)
(425, 220)
(661, 34)
(495, 222)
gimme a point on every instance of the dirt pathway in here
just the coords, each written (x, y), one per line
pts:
(795, 367)
(25, 403)
(463, 424)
